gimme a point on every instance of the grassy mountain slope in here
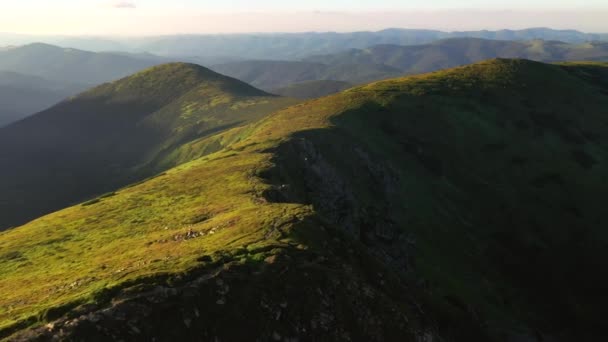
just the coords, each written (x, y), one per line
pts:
(465, 204)
(70, 65)
(22, 95)
(459, 51)
(312, 89)
(117, 133)
(269, 75)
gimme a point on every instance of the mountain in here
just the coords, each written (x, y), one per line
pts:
(358, 66)
(117, 133)
(89, 43)
(537, 33)
(270, 75)
(461, 205)
(35, 76)
(70, 65)
(71, 71)
(23, 95)
(459, 51)
(287, 46)
(312, 89)
(294, 46)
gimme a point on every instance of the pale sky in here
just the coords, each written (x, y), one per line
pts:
(150, 17)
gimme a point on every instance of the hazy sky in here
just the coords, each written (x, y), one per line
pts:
(137, 17)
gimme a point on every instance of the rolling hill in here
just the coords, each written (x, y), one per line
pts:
(117, 133)
(285, 46)
(33, 77)
(358, 66)
(459, 51)
(461, 205)
(294, 46)
(71, 65)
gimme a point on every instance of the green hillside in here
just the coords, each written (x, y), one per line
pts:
(117, 133)
(312, 89)
(462, 205)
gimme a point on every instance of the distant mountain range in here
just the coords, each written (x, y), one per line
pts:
(35, 76)
(289, 46)
(71, 65)
(459, 51)
(384, 61)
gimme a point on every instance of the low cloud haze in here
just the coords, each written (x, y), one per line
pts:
(127, 18)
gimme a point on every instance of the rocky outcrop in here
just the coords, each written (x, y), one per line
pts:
(293, 295)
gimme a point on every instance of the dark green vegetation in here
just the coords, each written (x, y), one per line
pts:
(312, 89)
(270, 75)
(23, 95)
(118, 133)
(466, 204)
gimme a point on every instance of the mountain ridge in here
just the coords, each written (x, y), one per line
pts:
(377, 62)
(293, 46)
(68, 64)
(452, 52)
(113, 133)
(478, 227)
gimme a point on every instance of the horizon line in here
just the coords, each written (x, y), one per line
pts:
(109, 35)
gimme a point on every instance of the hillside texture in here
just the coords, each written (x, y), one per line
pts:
(463, 205)
(117, 133)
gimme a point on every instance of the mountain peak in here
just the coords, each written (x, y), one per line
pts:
(162, 82)
(40, 46)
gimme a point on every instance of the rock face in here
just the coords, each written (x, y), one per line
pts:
(292, 302)
(303, 166)
(455, 177)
